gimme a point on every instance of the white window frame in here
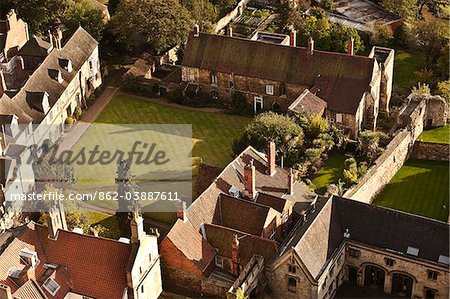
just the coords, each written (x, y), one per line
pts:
(218, 260)
(57, 286)
(260, 100)
(338, 118)
(269, 89)
(214, 79)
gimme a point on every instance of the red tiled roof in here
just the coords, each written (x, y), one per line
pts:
(87, 265)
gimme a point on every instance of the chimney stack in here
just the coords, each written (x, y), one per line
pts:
(249, 180)
(291, 182)
(350, 46)
(230, 31)
(56, 38)
(310, 46)
(137, 228)
(271, 153)
(5, 292)
(235, 256)
(56, 220)
(196, 30)
(293, 38)
(181, 210)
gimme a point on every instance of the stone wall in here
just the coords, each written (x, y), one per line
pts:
(236, 12)
(430, 151)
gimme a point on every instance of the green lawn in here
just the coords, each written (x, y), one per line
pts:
(405, 64)
(436, 135)
(419, 187)
(330, 173)
(213, 133)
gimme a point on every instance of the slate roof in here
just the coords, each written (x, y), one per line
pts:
(372, 225)
(308, 102)
(222, 238)
(78, 49)
(36, 47)
(86, 265)
(341, 79)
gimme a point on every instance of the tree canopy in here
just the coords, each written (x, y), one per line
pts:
(151, 24)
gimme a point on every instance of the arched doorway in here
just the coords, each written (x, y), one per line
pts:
(276, 107)
(374, 277)
(402, 285)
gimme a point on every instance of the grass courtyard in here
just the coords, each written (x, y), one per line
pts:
(330, 173)
(213, 133)
(420, 187)
(436, 135)
(406, 64)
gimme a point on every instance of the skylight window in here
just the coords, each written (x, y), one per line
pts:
(444, 260)
(51, 286)
(412, 251)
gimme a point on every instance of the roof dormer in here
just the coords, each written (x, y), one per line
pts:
(38, 101)
(55, 75)
(65, 64)
(29, 257)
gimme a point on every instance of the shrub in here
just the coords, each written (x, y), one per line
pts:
(317, 125)
(175, 95)
(70, 120)
(313, 155)
(350, 164)
(443, 89)
(239, 103)
(350, 177)
(362, 168)
(382, 35)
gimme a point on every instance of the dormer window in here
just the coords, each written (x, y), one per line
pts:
(51, 286)
(29, 257)
(66, 64)
(56, 75)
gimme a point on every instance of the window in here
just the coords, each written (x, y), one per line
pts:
(149, 257)
(269, 89)
(282, 88)
(292, 269)
(292, 284)
(338, 117)
(389, 262)
(430, 294)
(331, 272)
(51, 286)
(331, 120)
(219, 261)
(432, 275)
(213, 78)
(142, 288)
(273, 233)
(91, 65)
(354, 253)
(231, 84)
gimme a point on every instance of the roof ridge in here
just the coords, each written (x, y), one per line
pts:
(244, 233)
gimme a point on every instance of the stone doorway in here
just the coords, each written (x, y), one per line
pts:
(402, 285)
(374, 277)
(352, 275)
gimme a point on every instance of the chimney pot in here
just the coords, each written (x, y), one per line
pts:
(196, 30)
(350, 46)
(249, 180)
(310, 46)
(271, 153)
(293, 38)
(230, 31)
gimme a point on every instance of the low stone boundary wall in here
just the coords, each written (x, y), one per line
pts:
(430, 151)
(237, 11)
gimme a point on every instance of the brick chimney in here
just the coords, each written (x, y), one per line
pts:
(56, 38)
(249, 180)
(56, 220)
(230, 31)
(350, 46)
(196, 30)
(310, 46)
(137, 228)
(293, 38)
(290, 182)
(5, 292)
(181, 210)
(235, 256)
(271, 154)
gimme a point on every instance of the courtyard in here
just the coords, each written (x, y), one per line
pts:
(436, 135)
(420, 187)
(330, 172)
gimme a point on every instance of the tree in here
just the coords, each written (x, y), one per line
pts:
(125, 187)
(429, 38)
(443, 63)
(382, 35)
(83, 13)
(41, 15)
(406, 9)
(368, 142)
(443, 89)
(153, 24)
(283, 130)
(202, 13)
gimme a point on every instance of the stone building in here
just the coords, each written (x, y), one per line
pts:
(41, 262)
(13, 35)
(273, 76)
(360, 244)
(248, 210)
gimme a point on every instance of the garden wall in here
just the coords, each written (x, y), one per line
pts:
(237, 11)
(410, 126)
(430, 151)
